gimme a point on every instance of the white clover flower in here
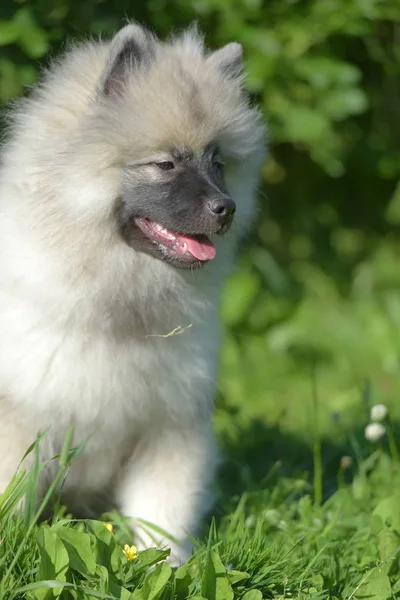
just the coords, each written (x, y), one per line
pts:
(374, 431)
(378, 412)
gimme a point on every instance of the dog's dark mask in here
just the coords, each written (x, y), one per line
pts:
(168, 209)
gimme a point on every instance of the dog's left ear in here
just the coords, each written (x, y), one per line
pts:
(131, 49)
(229, 60)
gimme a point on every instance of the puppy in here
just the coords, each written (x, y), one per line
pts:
(128, 178)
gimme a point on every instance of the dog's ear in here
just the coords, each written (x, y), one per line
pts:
(131, 49)
(229, 60)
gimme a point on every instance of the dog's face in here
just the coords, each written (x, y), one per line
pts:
(177, 115)
(171, 204)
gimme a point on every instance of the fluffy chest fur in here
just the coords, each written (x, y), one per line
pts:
(118, 351)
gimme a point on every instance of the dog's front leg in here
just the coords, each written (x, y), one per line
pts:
(166, 482)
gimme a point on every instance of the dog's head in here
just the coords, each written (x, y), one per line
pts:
(184, 142)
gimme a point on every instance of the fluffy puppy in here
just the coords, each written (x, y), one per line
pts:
(128, 178)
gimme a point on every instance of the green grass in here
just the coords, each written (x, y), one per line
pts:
(276, 540)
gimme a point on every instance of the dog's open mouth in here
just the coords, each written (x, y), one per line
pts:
(178, 246)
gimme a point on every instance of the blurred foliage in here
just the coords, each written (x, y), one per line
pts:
(316, 295)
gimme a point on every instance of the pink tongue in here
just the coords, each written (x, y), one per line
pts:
(202, 249)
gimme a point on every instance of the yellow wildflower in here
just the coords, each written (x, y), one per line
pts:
(130, 552)
(109, 527)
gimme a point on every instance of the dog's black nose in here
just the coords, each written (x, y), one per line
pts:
(222, 207)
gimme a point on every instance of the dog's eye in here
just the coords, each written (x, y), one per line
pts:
(165, 165)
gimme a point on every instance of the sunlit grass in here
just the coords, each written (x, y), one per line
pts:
(279, 540)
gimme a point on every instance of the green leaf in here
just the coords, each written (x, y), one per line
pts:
(31, 37)
(184, 576)
(79, 549)
(253, 595)
(215, 585)
(237, 576)
(118, 591)
(100, 531)
(303, 124)
(40, 586)
(341, 103)
(103, 576)
(54, 562)
(106, 551)
(8, 33)
(389, 511)
(388, 545)
(154, 583)
(317, 581)
(151, 557)
(376, 586)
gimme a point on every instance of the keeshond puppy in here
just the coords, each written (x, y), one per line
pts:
(127, 180)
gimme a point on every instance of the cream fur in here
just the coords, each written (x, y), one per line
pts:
(81, 313)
